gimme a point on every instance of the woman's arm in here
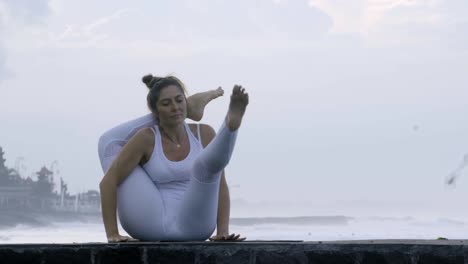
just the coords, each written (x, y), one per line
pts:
(130, 156)
(224, 207)
(224, 202)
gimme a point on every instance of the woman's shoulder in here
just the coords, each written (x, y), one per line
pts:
(143, 136)
(146, 132)
(207, 132)
(142, 142)
(203, 128)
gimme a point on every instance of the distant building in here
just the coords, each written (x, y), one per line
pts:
(19, 193)
(15, 197)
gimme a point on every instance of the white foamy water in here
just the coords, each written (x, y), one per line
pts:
(355, 229)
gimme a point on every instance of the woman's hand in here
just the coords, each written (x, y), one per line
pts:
(227, 238)
(118, 238)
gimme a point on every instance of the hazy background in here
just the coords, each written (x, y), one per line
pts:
(356, 106)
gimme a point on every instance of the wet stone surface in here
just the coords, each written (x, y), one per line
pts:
(257, 252)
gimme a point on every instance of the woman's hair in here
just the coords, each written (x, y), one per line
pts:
(156, 84)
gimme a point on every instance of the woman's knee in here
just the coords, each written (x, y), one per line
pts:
(140, 206)
(204, 171)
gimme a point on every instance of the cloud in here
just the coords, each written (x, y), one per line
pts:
(87, 34)
(2, 34)
(417, 23)
(180, 28)
(14, 16)
(365, 16)
(291, 19)
(441, 24)
(2, 64)
(346, 15)
(25, 11)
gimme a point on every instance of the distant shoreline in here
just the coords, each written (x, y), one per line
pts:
(294, 220)
(13, 218)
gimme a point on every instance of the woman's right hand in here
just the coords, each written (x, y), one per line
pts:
(118, 238)
(227, 238)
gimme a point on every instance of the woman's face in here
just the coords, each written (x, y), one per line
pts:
(172, 105)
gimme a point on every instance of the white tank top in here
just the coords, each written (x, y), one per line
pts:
(172, 177)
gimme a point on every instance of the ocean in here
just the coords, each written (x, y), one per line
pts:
(306, 228)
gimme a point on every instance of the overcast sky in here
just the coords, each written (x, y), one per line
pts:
(354, 104)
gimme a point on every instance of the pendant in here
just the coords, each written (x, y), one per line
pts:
(178, 146)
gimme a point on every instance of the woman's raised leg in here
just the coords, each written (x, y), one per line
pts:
(196, 103)
(197, 215)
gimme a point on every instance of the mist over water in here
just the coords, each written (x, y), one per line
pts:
(354, 228)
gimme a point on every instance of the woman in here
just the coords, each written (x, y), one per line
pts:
(177, 197)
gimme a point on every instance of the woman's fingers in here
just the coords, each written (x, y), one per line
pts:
(231, 237)
(216, 238)
(131, 239)
(119, 238)
(238, 238)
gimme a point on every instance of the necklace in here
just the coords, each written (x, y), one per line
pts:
(173, 141)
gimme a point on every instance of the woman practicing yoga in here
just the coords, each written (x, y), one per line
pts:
(165, 178)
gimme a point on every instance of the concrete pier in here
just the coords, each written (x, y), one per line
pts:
(251, 252)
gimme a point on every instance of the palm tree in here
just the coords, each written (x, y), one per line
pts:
(4, 171)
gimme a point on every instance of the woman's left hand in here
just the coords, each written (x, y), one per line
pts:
(227, 238)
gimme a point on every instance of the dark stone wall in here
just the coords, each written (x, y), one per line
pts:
(240, 252)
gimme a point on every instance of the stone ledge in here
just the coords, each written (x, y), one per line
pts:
(251, 252)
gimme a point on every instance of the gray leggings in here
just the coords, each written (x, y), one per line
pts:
(142, 212)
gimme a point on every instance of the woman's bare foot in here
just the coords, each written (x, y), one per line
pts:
(237, 106)
(196, 103)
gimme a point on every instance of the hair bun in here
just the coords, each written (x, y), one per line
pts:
(150, 80)
(147, 80)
